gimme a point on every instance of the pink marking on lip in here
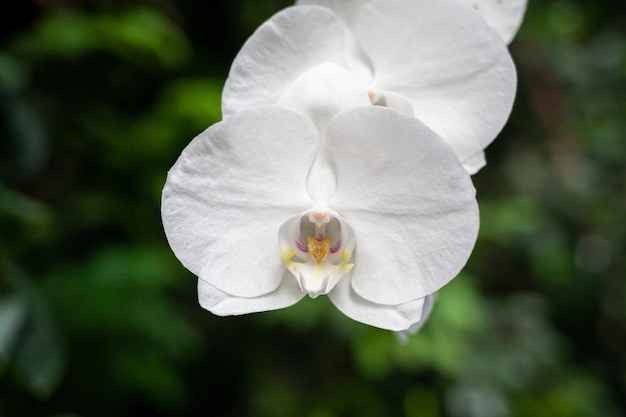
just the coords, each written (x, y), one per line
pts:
(336, 247)
(301, 246)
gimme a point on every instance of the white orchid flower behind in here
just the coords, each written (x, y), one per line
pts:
(437, 60)
(366, 205)
(504, 16)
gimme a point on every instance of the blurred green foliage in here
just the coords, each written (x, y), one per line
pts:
(98, 318)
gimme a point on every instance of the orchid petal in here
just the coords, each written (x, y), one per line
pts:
(223, 304)
(409, 201)
(322, 92)
(229, 192)
(347, 10)
(504, 16)
(281, 50)
(429, 301)
(390, 317)
(473, 164)
(442, 56)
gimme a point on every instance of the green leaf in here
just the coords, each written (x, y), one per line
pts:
(12, 317)
(34, 349)
(22, 208)
(143, 36)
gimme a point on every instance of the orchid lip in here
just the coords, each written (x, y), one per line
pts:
(316, 246)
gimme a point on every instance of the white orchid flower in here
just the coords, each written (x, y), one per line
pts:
(435, 59)
(504, 16)
(366, 205)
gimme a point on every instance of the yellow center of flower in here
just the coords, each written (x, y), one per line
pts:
(318, 248)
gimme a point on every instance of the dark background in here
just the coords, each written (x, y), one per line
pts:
(98, 318)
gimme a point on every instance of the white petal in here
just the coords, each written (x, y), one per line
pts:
(504, 16)
(409, 201)
(222, 304)
(281, 50)
(429, 301)
(229, 192)
(390, 317)
(322, 92)
(442, 56)
(347, 10)
(473, 164)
